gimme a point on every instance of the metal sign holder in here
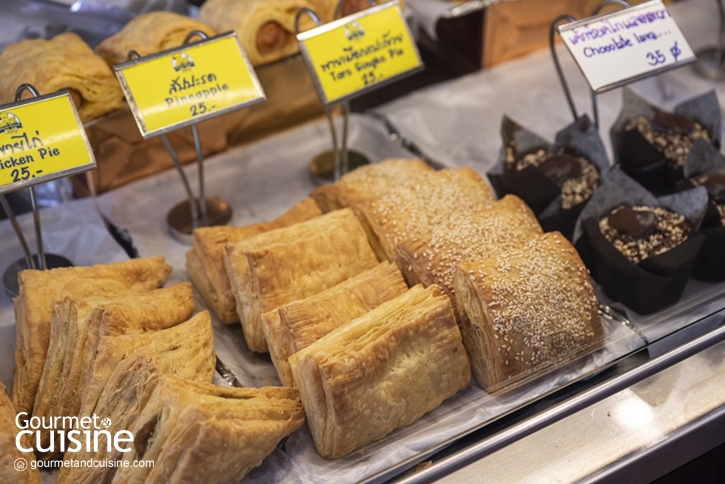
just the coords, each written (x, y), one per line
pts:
(41, 260)
(710, 63)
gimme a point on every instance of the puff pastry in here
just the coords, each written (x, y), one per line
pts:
(78, 325)
(205, 261)
(381, 371)
(150, 33)
(467, 236)
(526, 310)
(415, 208)
(368, 182)
(206, 434)
(291, 263)
(297, 325)
(65, 62)
(128, 391)
(8, 448)
(34, 309)
(193, 338)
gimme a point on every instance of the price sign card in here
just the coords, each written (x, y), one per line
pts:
(41, 139)
(360, 52)
(625, 46)
(182, 86)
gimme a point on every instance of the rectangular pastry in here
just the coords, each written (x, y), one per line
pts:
(381, 371)
(206, 434)
(39, 290)
(292, 263)
(9, 450)
(127, 392)
(297, 325)
(368, 182)
(205, 261)
(416, 207)
(466, 236)
(527, 310)
(78, 324)
(193, 337)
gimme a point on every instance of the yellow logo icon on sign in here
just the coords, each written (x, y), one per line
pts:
(182, 62)
(10, 123)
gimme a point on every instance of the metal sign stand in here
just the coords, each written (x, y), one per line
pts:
(193, 212)
(552, 45)
(330, 165)
(710, 63)
(41, 260)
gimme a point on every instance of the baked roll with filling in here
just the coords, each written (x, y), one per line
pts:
(368, 182)
(9, 451)
(292, 263)
(381, 371)
(194, 339)
(39, 290)
(417, 207)
(127, 392)
(201, 433)
(205, 261)
(295, 326)
(467, 236)
(78, 325)
(64, 62)
(149, 33)
(526, 311)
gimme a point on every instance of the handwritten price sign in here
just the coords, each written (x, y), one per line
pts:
(360, 52)
(625, 46)
(188, 84)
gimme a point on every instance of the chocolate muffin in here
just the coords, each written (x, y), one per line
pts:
(714, 183)
(641, 232)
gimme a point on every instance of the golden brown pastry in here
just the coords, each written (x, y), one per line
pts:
(466, 236)
(9, 451)
(368, 182)
(292, 263)
(206, 434)
(129, 389)
(205, 261)
(297, 325)
(525, 311)
(65, 62)
(417, 207)
(194, 339)
(78, 325)
(39, 290)
(381, 371)
(150, 33)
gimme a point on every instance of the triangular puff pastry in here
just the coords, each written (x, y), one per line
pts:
(415, 207)
(192, 337)
(130, 387)
(527, 310)
(9, 451)
(297, 325)
(77, 326)
(39, 290)
(291, 263)
(201, 433)
(205, 261)
(368, 182)
(381, 371)
(466, 236)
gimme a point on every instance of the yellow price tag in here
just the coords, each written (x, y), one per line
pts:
(41, 139)
(188, 84)
(360, 52)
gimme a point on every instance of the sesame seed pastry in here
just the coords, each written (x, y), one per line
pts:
(297, 325)
(284, 265)
(205, 260)
(381, 371)
(526, 310)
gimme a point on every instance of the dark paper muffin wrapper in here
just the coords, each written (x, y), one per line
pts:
(540, 193)
(655, 282)
(639, 159)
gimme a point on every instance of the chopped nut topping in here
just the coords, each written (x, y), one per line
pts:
(675, 146)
